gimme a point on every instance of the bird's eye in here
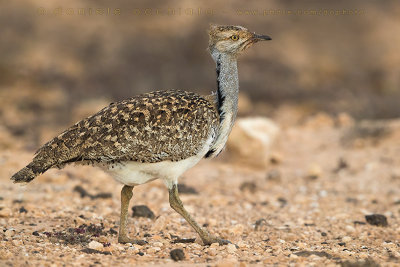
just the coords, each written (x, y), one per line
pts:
(235, 37)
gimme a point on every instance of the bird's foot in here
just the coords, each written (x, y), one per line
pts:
(125, 239)
(213, 239)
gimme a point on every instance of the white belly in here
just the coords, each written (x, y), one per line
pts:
(136, 173)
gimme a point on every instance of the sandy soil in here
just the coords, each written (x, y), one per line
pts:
(306, 208)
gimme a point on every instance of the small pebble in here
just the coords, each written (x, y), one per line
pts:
(23, 210)
(275, 158)
(231, 248)
(248, 186)
(314, 171)
(142, 211)
(177, 254)
(185, 189)
(350, 229)
(9, 233)
(214, 245)
(274, 175)
(346, 239)
(158, 244)
(153, 250)
(212, 251)
(95, 245)
(376, 219)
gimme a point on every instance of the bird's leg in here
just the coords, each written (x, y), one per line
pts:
(177, 205)
(126, 195)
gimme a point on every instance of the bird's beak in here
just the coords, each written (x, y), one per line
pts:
(258, 37)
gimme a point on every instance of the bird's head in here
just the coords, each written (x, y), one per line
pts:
(232, 39)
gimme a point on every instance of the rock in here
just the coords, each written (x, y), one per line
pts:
(177, 254)
(376, 219)
(314, 171)
(214, 245)
(231, 248)
(274, 175)
(142, 211)
(346, 239)
(5, 212)
(251, 140)
(275, 158)
(95, 245)
(248, 186)
(95, 251)
(9, 233)
(350, 229)
(212, 251)
(158, 244)
(185, 189)
(23, 210)
(153, 250)
(361, 263)
(183, 240)
(306, 253)
(83, 193)
(133, 249)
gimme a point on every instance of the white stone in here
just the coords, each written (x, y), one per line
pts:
(251, 139)
(158, 244)
(95, 245)
(231, 248)
(346, 239)
(350, 229)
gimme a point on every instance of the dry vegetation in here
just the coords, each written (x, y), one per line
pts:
(330, 83)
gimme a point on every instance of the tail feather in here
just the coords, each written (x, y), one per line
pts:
(28, 173)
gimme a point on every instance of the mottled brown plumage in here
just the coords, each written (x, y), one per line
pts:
(155, 135)
(153, 127)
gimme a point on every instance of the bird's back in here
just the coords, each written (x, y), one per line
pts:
(153, 127)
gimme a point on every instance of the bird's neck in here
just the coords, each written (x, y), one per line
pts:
(227, 86)
(226, 96)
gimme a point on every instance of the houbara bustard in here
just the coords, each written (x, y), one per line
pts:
(155, 135)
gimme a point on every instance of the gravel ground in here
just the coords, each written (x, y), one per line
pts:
(308, 207)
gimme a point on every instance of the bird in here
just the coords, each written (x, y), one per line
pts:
(157, 135)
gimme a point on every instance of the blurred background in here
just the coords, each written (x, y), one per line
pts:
(61, 61)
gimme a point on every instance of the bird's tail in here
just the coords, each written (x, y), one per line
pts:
(28, 173)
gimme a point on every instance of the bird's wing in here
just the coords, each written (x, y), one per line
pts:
(164, 125)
